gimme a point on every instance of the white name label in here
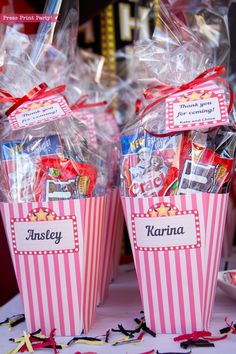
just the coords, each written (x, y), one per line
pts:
(180, 231)
(43, 237)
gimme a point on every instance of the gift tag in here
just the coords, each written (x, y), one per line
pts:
(39, 111)
(196, 109)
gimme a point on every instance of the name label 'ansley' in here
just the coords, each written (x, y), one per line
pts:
(48, 235)
(166, 231)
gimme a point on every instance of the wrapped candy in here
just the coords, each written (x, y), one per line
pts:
(64, 179)
(177, 164)
(147, 164)
(30, 160)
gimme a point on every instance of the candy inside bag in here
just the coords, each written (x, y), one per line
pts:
(18, 163)
(186, 163)
(203, 169)
(146, 162)
(59, 179)
(103, 134)
(30, 162)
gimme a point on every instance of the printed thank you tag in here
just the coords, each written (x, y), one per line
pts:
(39, 111)
(165, 228)
(200, 108)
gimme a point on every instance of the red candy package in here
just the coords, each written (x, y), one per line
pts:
(58, 179)
(202, 169)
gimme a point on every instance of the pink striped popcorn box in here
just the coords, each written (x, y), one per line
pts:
(119, 233)
(176, 243)
(55, 247)
(112, 224)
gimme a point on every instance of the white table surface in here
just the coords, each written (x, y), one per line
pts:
(122, 306)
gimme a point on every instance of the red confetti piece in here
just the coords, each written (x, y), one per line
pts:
(194, 336)
(141, 335)
(40, 343)
(215, 339)
(231, 326)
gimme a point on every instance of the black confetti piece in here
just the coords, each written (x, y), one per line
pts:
(144, 327)
(127, 332)
(89, 339)
(36, 332)
(197, 343)
(227, 329)
(13, 320)
(107, 336)
(226, 265)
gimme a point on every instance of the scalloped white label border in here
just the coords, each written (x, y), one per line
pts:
(144, 241)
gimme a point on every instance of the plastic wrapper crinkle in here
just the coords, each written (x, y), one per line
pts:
(160, 160)
(209, 20)
(49, 161)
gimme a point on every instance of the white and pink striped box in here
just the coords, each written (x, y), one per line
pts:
(56, 252)
(176, 243)
(119, 234)
(111, 241)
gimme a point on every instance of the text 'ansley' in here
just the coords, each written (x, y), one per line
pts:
(166, 231)
(48, 235)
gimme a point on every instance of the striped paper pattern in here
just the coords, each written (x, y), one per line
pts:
(113, 208)
(119, 233)
(178, 286)
(60, 290)
(93, 234)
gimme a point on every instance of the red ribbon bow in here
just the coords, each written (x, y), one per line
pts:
(82, 103)
(40, 91)
(161, 92)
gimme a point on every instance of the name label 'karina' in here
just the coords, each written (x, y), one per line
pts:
(48, 235)
(166, 231)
